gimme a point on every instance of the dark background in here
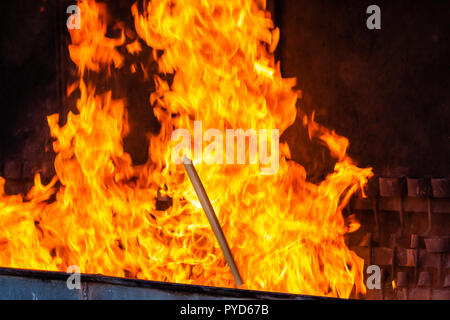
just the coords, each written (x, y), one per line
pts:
(387, 90)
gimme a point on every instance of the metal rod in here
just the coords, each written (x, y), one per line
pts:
(207, 207)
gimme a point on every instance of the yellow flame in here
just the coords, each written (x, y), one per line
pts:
(286, 234)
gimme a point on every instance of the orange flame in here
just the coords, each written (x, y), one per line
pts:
(286, 234)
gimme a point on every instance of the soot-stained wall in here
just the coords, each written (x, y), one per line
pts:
(387, 90)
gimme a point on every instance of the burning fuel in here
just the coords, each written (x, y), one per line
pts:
(99, 212)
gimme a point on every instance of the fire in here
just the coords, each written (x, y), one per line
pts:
(286, 234)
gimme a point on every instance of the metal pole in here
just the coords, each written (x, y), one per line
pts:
(207, 207)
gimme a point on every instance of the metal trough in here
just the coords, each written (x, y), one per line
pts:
(21, 284)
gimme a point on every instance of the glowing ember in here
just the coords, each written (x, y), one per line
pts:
(285, 233)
